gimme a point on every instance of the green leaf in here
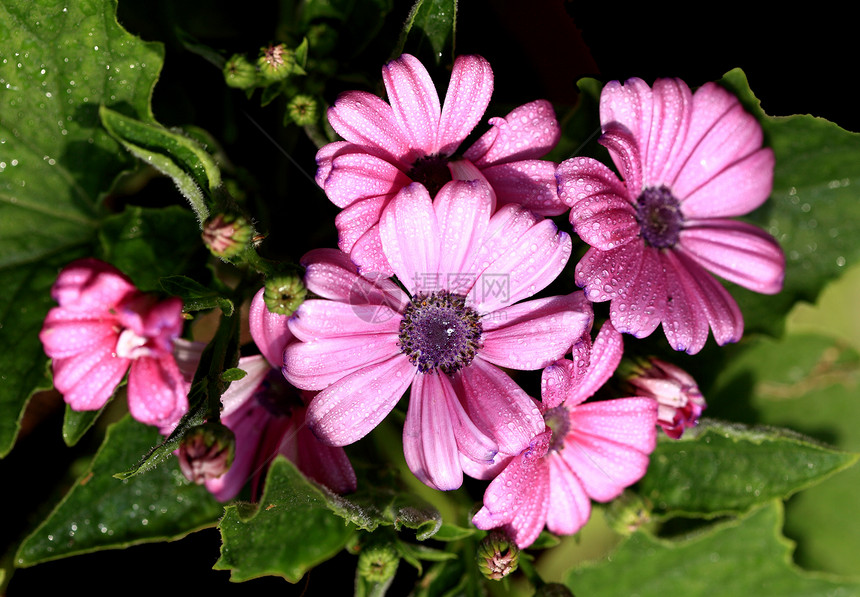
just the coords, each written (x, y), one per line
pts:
(292, 530)
(748, 556)
(812, 212)
(57, 162)
(100, 512)
(149, 244)
(375, 506)
(77, 423)
(429, 30)
(178, 156)
(195, 296)
(234, 374)
(718, 468)
(808, 383)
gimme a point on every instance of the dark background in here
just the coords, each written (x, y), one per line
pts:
(796, 62)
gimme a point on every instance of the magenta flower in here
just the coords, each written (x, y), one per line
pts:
(365, 342)
(680, 403)
(690, 162)
(267, 416)
(103, 327)
(414, 139)
(587, 451)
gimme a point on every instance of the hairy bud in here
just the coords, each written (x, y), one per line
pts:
(284, 293)
(206, 452)
(498, 556)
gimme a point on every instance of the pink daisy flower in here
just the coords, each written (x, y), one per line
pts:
(414, 139)
(587, 451)
(690, 162)
(680, 403)
(267, 417)
(104, 327)
(364, 342)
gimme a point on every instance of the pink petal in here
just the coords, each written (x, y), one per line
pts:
(606, 275)
(605, 355)
(735, 191)
(316, 364)
(530, 183)
(722, 311)
(316, 319)
(187, 355)
(569, 506)
(498, 406)
(325, 464)
(670, 114)
(518, 498)
(628, 157)
(580, 178)
(533, 334)
(466, 100)
(364, 119)
(66, 333)
(349, 409)
(642, 306)
(428, 436)
(463, 212)
(410, 235)
(685, 323)
(92, 286)
(332, 274)
(527, 132)
(269, 330)
(369, 256)
(157, 393)
(555, 383)
(736, 251)
(627, 107)
(325, 156)
(354, 221)
(415, 102)
(88, 379)
(605, 222)
(357, 176)
(239, 392)
(609, 444)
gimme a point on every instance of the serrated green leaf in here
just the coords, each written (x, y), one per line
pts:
(195, 296)
(292, 530)
(718, 468)
(149, 244)
(100, 512)
(372, 507)
(810, 211)
(178, 156)
(429, 30)
(56, 160)
(748, 556)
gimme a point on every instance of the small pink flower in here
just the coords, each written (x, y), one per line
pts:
(680, 403)
(267, 417)
(365, 342)
(414, 139)
(103, 327)
(587, 451)
(690, 162)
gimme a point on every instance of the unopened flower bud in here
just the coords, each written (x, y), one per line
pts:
(227, 235)
(377, 562)
(303, 110)
(276, 62)
(680, 403)
(284, 293)
(498, 556)
(627, 513)
(206, 452)
(553, 589)
(239, 72)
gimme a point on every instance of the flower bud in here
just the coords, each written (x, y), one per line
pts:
(276, 62)
(498, 556)
(377, 562)
(303, 110)
(627, 513)
(239, 72)
(680, 403)
(284, 293)
(206, 452)
(227, 235)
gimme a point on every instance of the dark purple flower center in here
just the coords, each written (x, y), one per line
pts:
(659, 215)
(432, 172)
(276, 395)
(439, 331)
(558, 420)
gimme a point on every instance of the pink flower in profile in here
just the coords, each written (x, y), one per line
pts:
(104, 327)
(587, 451)
(680, 403)
(364, 343)
(413, 138)
(267, 417)
(690, 162)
